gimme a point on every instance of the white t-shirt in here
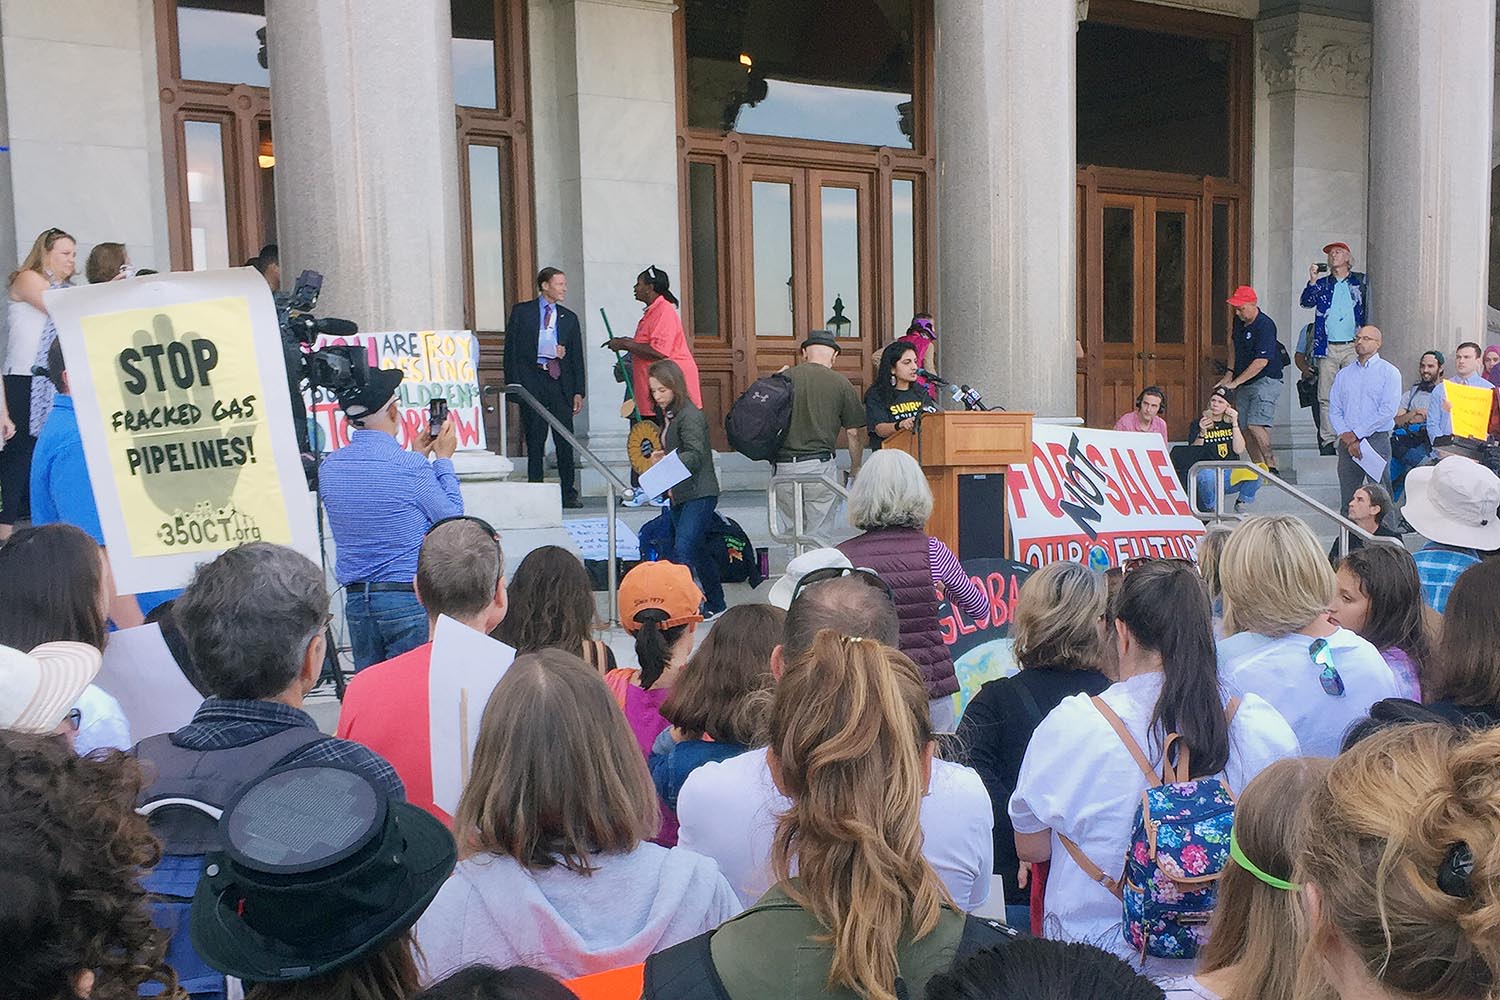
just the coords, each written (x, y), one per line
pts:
(1079, 780)
(1283, 673)
(1186, 988)
(727, 810)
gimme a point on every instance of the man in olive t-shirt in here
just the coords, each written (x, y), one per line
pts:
(823, 403)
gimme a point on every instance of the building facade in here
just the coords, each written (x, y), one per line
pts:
(1035, 173)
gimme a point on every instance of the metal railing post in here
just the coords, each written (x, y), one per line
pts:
(1346, 527)
(614, 570)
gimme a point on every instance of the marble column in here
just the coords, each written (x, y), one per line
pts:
(367, 158)
(604, 127)
(1007, 283)
(1431, 98)
(1316, 71)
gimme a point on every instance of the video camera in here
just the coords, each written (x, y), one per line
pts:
(337, 368)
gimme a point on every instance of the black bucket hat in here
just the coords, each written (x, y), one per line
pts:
(317, 868)
(362, 400)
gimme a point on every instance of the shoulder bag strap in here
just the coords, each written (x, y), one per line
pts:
(1183, 771)
(619, 684)
(1090, 869)
(1118, 725)
(1028, 700)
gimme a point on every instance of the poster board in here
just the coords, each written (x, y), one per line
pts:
(1098, 497)
(180, 388)
(982, 648)
(436, 363)
(465, 667)
(142, 675)
(1471, 406)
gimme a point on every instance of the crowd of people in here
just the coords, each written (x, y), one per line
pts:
(1268, 772)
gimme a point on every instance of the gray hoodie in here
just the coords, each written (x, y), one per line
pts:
(494, 910)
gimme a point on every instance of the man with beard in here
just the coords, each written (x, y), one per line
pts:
(1410, 446)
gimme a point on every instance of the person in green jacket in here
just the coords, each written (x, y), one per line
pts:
(693, 499)
(865, 916)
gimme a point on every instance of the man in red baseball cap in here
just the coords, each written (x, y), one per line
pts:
(1340, 297)
(1256, 376)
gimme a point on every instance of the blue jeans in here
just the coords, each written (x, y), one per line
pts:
(1399, 467)
(383, 624)
(1206, 496)
(690, 523)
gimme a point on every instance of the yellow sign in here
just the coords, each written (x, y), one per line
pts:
(1471, 409)
(181, 397)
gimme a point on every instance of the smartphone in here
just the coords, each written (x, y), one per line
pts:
(437, 412)
(1321, 267)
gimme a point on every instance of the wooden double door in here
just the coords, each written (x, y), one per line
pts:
(1144, 273)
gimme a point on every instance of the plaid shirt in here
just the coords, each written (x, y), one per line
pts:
(221, 723)
(1439, 567)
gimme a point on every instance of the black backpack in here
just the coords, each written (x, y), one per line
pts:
(731, 546)
(758, 421)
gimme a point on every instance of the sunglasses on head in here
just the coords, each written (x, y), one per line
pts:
(1322, 655)
(1136, 562)
(860, 573)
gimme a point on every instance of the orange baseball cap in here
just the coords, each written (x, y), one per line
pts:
(1337, 244)
(665, 586)
(1243, 296)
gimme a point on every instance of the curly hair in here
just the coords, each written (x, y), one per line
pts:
(74, 851)
(551, 603)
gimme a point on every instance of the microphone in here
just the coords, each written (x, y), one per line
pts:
(970, 398)
(334, 327)
(932, 377)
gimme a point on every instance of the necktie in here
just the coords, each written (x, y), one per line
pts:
(553, 368)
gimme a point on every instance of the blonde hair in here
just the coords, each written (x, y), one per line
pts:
(890, 491)
(1210, 552)
(1254, 925)
(39, 250)
(1274, 576)
(849, 727)
(1378, 829)
(558, 776)
(1057, 617)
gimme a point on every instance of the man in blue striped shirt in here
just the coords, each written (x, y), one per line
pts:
(381, 499)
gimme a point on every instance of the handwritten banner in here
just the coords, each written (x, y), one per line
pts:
(1471, 409)
(179, 385)
(981, 648)
(437, 364)
(1098, 497)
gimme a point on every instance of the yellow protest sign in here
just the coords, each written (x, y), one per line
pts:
(1471, 409)
(181, 398)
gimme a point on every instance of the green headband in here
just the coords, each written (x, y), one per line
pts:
(1250, 866)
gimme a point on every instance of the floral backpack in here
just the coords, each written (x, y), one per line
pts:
(1179, 846)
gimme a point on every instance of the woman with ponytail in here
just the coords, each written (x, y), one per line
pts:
(1400, 869)
(659, 335)
(660, 604)
(864, 915)
(1080, 785)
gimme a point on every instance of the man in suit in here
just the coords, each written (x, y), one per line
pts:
(544, 353)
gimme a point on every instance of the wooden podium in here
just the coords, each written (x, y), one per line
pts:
(965, 453)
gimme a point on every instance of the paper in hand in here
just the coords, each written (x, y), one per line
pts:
(141, 674)
(664, 475)
(1369, 460)
(466, 665)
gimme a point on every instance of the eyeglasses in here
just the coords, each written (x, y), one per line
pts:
(1322, 655)
(826, 573)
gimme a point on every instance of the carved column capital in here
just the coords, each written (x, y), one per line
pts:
(1316, 53)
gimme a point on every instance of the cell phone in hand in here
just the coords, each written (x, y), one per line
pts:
(1321, 267)
(437, 412)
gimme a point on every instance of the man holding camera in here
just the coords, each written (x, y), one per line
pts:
(1340, 298)
(381, 500)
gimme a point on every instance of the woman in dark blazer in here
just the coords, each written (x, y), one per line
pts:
(693, 499)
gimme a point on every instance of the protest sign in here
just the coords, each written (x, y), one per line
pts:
(1471, 409)
(981, 647)
(1098, 497)
(465, 667)
(142, 675)
(436, 364)
(180, 389)
(591, 535)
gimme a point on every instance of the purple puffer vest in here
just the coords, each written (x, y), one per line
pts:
(899, 556)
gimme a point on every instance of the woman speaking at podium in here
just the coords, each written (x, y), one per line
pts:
(894, 401)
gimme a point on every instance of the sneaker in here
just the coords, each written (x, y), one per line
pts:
(661, 502)
(1241, 505)
(634, 498)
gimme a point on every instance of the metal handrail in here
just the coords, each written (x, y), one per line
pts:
(1346, 527)
(796, 539)
(613, 484)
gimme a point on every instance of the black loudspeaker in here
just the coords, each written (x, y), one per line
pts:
(981, 517)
